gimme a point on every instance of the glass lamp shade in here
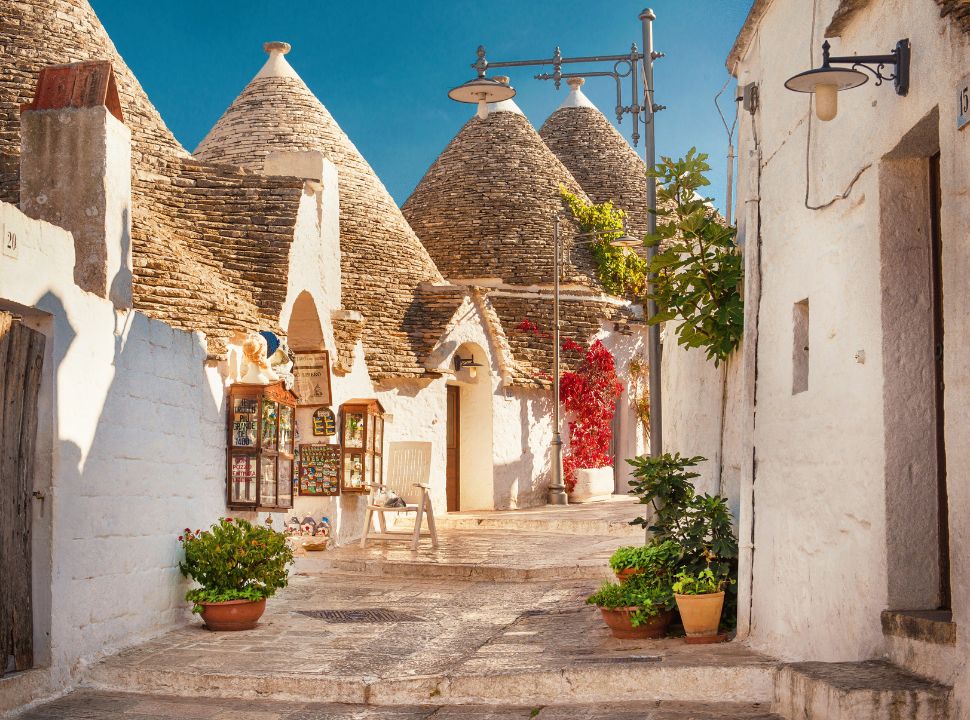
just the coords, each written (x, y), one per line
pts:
(826, 101)
(826, 82)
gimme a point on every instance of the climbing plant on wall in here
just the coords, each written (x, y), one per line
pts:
(697, 270)
(623, 273)
(588, 394)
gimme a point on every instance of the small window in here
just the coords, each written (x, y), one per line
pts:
(799, 358)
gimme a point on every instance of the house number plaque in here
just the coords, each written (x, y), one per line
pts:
(963, 103)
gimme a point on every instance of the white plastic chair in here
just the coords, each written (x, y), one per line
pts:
(408, 472)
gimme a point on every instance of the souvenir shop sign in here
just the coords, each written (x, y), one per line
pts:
(319, 470)
(312, 371)
(324, 422)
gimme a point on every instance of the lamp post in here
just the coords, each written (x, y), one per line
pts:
(638, 66)
(557, 488)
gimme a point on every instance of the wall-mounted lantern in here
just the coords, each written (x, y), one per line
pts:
(827, 81)
(469, 363)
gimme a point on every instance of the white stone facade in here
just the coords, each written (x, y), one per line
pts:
(830, 429)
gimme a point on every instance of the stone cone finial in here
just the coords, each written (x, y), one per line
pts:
(276, 65)
(576, 98)
(277, 46)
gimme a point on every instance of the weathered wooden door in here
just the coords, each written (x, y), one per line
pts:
(453, 433)
(21, 359)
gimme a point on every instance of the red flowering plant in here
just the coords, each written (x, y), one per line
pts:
(589, 395)
(234, 560)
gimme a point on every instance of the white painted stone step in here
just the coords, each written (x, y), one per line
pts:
(857, 691)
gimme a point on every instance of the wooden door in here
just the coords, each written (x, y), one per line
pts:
(937, 275)
(452, 440)
(21, 359)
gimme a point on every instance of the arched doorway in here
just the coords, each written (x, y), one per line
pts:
(470, 482)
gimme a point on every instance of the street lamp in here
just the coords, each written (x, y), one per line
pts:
(638, 66)
(557, 488)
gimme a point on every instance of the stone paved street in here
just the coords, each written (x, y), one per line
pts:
(492, 624)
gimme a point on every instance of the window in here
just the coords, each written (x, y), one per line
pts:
(799, 357)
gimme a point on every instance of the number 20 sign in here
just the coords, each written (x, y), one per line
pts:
(963, 103)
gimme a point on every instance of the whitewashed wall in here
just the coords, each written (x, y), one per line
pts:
(131, 451)
(820, 561)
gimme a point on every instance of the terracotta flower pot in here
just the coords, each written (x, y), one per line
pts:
(232, 614)
(627, 573)
(701, 614)
(618, 620)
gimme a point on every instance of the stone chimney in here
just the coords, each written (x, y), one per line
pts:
(75, 172)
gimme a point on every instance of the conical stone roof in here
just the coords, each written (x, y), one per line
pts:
(485, 208)
(39, 33)
(210, 245)
(382, 261)
(600, 159)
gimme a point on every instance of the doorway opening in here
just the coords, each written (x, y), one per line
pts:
(911, 244)
(470, 401)
(453, 465)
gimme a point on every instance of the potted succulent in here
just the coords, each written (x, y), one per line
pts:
(238, 565)
(635, 608)
(700, 597)
(659, 558)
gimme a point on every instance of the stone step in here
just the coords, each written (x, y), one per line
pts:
(870, 690)
(610, 518)
(105, 705)
(639, 681)
(325, 566)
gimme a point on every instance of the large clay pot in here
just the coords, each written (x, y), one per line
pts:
(701, 614)
(618, 620)
(232, 614)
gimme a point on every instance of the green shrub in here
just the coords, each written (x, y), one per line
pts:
(234, 560)
(701, 583)
(656, 558)
(649, 598)
(700, 524)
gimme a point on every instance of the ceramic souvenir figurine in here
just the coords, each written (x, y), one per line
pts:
(256, 367)
(323, 529)
(309, 526)
(293, 526)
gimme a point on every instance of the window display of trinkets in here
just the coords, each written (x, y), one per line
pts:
(320, 470)
(260, 447)
(362, 446)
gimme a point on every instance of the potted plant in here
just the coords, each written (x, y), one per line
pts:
(238, 565)
(659, 558)
(637, 608)
(700, 598)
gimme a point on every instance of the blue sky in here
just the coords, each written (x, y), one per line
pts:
(383, 68)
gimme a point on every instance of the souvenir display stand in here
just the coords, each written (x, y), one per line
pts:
(362, 445)
(260, 447)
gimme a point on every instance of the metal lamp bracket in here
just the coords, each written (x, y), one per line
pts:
(899, 58)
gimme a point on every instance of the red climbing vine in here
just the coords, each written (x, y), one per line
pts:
(588, 394)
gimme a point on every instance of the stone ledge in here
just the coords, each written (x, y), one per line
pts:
(929, 626)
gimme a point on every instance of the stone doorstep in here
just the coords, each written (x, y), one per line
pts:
(87, 703)
(870, 690)
(929, 626)
(602, 682)
(611, 528)
(459, 571)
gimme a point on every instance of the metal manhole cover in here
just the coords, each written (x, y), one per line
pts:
(371, 615)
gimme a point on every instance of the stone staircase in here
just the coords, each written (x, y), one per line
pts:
(871, 690)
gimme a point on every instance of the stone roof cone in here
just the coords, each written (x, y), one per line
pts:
(485, 208)
(382, 261)
(40, 33)
(600, 159)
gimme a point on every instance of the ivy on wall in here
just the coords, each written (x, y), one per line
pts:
(697, 269)
(623, 273)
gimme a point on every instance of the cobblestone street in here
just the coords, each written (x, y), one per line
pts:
(492, 624)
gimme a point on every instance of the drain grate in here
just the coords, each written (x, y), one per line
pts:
(364, 615)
